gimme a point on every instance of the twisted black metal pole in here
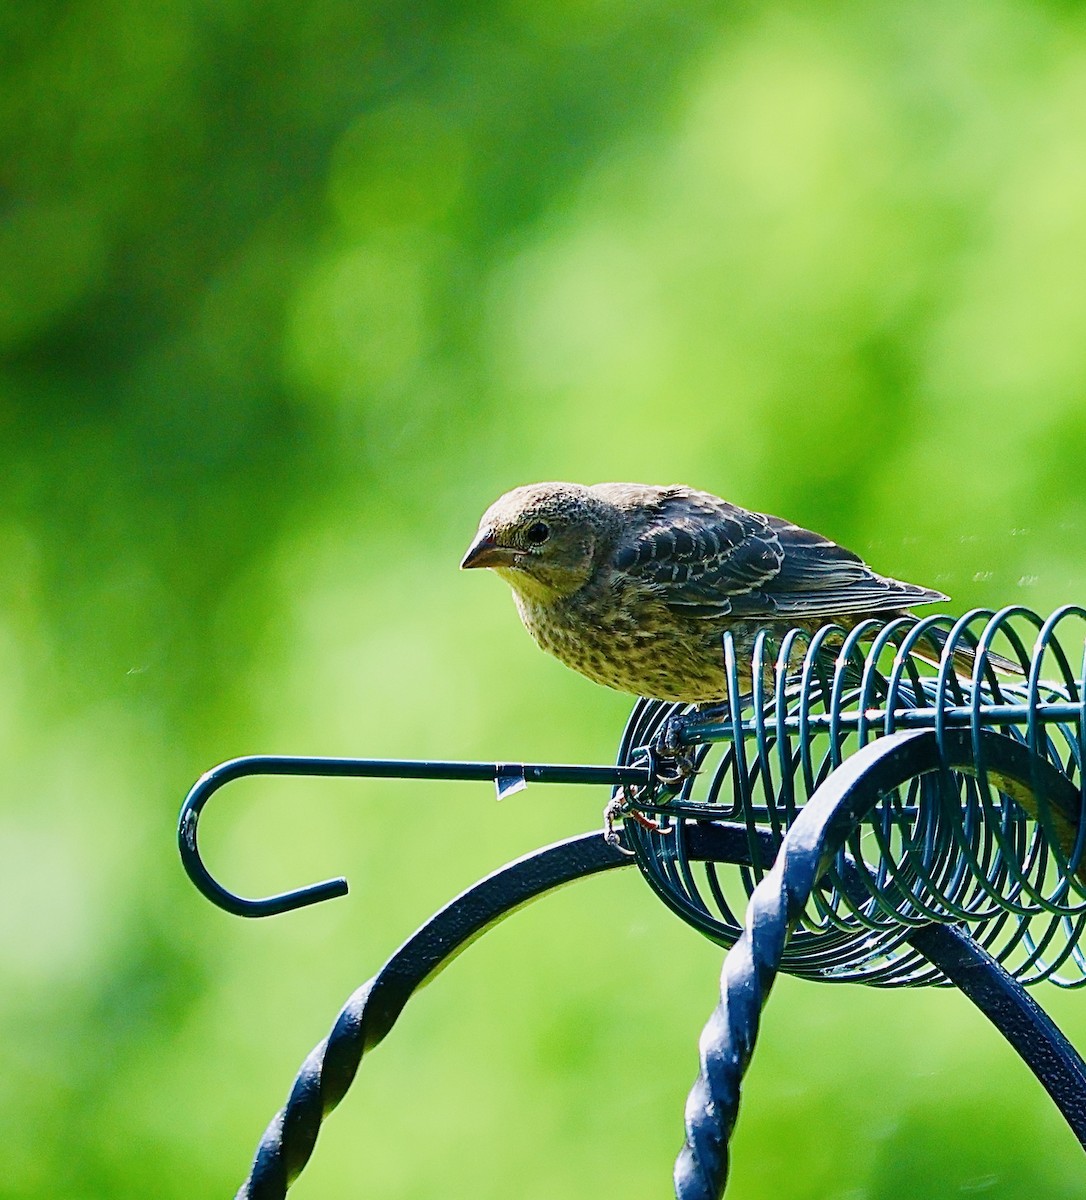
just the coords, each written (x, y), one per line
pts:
(373, 1009)
(777, 903)
(370, 1013)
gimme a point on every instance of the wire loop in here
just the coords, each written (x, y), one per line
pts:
(958, 844)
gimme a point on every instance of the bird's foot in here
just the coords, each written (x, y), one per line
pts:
(670, 759)
(648, 822)
(671, 740)
(620, 808)
(611, 815)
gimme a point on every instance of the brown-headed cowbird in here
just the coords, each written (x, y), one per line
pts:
(633, 585)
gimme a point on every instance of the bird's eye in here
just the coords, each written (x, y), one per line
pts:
(537, 533)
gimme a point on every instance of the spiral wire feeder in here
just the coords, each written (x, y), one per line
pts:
(898, 803)
(948, 846)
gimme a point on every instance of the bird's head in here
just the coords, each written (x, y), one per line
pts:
(542, 539)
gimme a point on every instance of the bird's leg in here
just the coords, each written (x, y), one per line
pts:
(669, 762)
(647, 822)
(612, 813)
(671, 738)
(671, 748)
(623, 806)
(681, 729)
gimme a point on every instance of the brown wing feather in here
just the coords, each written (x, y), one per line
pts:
(709, 558)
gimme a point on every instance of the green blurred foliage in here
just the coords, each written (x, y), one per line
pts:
(288, 294)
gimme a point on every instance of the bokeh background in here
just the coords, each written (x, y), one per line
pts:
(288, 294)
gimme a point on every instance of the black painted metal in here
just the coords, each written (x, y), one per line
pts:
(373, 1009)
(507, 776)
(1012, 1010)
(911, 803)
(818, 835)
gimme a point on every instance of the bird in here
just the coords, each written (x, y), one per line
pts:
(634, 585)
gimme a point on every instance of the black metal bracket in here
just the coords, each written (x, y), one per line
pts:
(970, 791)
(807, 852)
(701, 1171)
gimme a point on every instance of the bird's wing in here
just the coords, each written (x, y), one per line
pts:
(709, 558)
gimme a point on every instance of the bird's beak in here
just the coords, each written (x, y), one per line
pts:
(485, 552)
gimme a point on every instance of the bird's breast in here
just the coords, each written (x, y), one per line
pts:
(628, 639)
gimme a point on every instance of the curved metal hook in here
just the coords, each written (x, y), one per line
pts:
(508, 777)
(202, 791)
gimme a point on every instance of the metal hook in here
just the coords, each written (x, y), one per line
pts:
(508, 778)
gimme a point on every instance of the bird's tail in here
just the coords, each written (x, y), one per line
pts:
(965, 657)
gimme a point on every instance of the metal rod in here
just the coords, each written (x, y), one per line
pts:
(508, 777)
(720, 730)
